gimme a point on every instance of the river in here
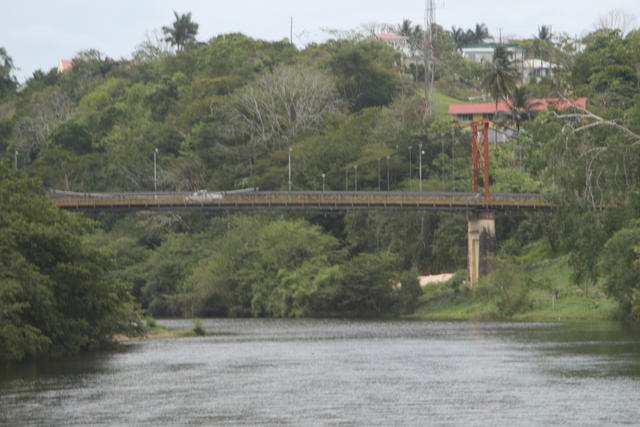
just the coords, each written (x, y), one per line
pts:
(342, 372)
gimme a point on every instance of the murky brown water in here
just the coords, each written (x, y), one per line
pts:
(342, 372)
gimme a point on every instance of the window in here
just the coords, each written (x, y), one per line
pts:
(465, 117)
(487, 116)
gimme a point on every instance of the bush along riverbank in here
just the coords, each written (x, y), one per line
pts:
(521, 290)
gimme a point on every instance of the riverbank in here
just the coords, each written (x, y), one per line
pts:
(155, 335)
(546, 293)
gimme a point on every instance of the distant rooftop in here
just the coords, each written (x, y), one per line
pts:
(537, 104)
(489, 45)
(64, 65)
(390, 37)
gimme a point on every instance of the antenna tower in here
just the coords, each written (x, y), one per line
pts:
(429, 58)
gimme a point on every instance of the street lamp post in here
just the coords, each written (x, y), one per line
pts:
(388, 180)
(420, 153)
(324, 175)
(356, 174)
(290, 150)
(379, 177)
(155, 170)
(410, 184)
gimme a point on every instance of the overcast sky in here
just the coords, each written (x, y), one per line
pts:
(36, 33)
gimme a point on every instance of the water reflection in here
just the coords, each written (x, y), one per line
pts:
(317, 372)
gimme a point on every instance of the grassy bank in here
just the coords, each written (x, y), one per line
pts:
(545, 293)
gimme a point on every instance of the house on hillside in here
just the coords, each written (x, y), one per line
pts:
(483, 52)
(531, 69)
(464, 114)
(399, 43)
(536, 69)
(64, 65)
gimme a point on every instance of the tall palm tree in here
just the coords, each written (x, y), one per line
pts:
(542, 43)
(521, 106)
(501, 75)
(460, 38)
(183, 32)
(480, 33)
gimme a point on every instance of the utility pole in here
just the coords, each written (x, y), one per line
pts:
(291, 31)
(429, 60)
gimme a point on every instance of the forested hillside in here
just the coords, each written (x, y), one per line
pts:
(227, 113)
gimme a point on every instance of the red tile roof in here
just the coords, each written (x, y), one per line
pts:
(390, 37)
(537, 104)
(64, 65)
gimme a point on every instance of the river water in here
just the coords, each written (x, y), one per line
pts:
(342, 372)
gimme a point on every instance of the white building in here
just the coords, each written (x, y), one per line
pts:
(483, 53)
(399, 43)
(535, 69)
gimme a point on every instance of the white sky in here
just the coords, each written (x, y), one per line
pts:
(36, 33)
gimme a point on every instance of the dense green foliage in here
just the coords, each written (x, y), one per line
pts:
(56, 296)
(227, 113)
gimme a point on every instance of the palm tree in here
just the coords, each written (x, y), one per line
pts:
(501, 75)
(460, 38)
(542, 43)
(480, 33)
(183, 33)
(521, 106)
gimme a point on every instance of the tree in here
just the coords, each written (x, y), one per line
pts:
(365, 73)
(8, 83)
(56, 297)
(480, 32)
(154, 47)
(183, 32)
(521, 106)
(616, 19)
(620, 266)
(460, 37)
(279, 105)
(500, 76)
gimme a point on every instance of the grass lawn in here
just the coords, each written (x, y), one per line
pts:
(548, 277)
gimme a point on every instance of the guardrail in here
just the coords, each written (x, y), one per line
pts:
(297, 200)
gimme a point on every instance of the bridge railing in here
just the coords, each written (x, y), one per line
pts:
(321, 200)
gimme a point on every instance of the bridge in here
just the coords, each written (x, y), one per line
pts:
(480, 208)
(311, 200)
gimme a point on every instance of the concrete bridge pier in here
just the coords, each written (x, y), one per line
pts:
(481, 244)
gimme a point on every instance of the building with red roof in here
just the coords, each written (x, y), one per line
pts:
(64, 65)
(399, 43)
(486, 110)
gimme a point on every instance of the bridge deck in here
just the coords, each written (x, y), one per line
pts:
(296, 200)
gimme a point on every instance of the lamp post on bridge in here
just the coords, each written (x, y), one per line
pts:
(290, 150)
(155, 170)
(420, 153)
(356, 177)
(379, 177)
(410, 184)
(324, 175)
(388, 180)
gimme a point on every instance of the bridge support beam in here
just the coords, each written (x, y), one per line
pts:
(481, 244)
